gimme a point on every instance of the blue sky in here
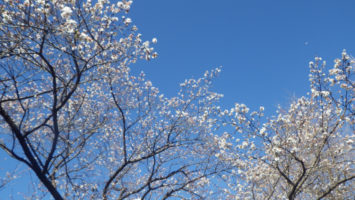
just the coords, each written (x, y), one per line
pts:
(263, 46)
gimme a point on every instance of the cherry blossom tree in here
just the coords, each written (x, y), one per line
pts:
(306, 151)
(76, 117)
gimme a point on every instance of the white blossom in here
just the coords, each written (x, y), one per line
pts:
(66, 12)
(127, 21)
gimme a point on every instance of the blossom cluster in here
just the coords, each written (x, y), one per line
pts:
(306, 151)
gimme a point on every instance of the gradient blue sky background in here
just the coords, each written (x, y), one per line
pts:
(263, 46)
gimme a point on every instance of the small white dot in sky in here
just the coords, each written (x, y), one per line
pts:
(306, 43)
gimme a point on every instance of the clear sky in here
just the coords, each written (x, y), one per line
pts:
(263, 46)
